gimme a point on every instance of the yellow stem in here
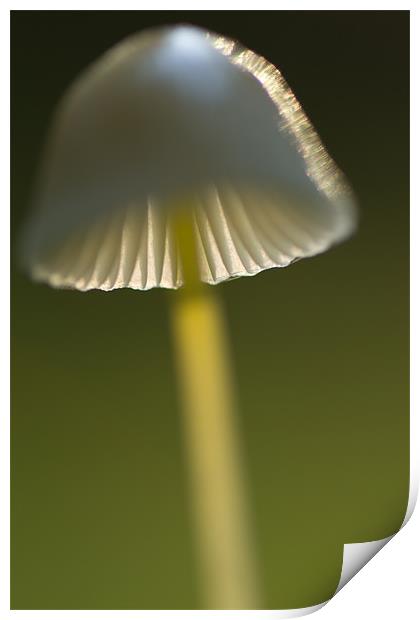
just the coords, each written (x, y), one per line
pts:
(211, 438)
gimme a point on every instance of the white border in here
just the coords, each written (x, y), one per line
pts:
(387, 586)
(5, 313)
(212, 5)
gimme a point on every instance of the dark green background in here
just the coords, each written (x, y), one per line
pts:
(99, 496)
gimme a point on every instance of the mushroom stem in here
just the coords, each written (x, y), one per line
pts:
(227, 565)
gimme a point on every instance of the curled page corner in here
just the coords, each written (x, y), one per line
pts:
(355, 557)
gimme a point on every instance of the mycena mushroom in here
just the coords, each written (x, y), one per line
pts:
(180, 159)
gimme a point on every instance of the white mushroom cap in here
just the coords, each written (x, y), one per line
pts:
(170, 115)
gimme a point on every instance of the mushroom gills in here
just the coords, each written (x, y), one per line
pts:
(237, 232)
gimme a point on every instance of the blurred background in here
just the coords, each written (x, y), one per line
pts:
(100, 516)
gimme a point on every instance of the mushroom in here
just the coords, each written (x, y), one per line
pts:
(181, 159)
